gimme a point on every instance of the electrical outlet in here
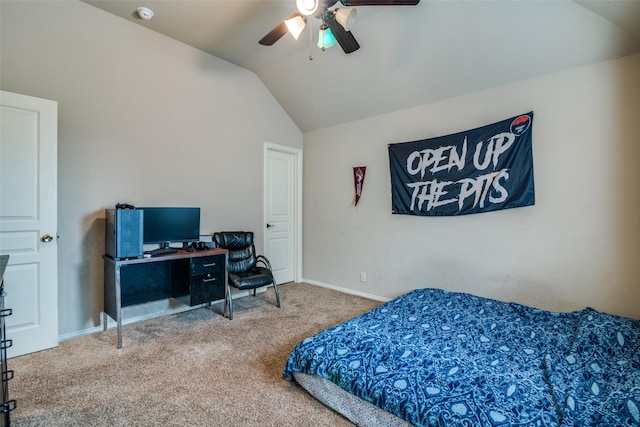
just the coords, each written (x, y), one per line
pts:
(363, 277)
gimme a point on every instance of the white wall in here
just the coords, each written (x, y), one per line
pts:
(142, 119)
(151, 121)
(578, 246)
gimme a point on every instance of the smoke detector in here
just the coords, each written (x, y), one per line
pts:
(145, 13)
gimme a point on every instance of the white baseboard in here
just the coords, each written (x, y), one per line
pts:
(112, 323)
(346, 290)
(179, 309)
(152, 315)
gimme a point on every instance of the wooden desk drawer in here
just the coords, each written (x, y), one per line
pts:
(207, 264)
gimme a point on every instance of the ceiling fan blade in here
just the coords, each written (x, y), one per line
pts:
(274, 35)
(379, 2)
(344, 38)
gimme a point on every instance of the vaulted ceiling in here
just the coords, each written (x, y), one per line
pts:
(409, 55)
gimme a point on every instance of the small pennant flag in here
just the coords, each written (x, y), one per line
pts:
(358, 181)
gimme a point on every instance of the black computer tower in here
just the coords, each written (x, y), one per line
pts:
(124, 233)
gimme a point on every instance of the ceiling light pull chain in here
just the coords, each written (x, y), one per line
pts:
(323, 26)
(311, 41)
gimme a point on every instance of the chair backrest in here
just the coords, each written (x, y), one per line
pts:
(242, 253)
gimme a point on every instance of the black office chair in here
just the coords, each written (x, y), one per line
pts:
(242, 266)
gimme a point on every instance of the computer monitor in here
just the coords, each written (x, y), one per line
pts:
(164, 225)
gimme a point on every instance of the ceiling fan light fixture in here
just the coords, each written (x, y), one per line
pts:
(326, 39)
(295, 25)
(307, 7)
(346, 17)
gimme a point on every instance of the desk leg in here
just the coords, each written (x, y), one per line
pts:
(118, 306)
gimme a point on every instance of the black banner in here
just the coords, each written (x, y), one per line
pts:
(479, 170)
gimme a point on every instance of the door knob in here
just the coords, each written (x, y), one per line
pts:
(46, 238)
(270, 225)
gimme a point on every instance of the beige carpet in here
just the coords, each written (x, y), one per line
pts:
(195, 368)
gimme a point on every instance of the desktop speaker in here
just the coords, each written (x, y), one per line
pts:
(124, 233)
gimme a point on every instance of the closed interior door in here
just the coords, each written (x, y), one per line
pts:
(281, 185)
(28, 220)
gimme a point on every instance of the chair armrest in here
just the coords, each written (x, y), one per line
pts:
(263, 259)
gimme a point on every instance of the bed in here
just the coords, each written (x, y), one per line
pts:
(438, 358)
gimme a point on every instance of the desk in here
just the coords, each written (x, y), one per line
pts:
(192, 278)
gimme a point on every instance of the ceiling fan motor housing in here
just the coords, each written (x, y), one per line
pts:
(307, 7)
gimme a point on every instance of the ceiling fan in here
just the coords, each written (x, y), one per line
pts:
(336, 23)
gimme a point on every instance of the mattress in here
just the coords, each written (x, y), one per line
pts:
(359, 411)
(436, 358)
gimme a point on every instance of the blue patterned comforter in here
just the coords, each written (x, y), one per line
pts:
(438, 358)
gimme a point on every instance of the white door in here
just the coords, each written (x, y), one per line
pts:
(28, 220)
(282, 194)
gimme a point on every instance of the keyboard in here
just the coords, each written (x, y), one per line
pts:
(163, 251)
